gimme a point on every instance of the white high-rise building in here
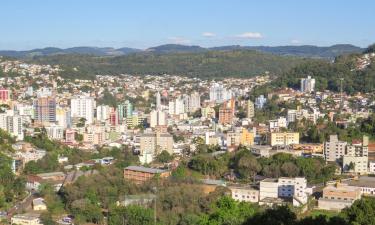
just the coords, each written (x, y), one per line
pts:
(102, 113)
(307, 84)
(83, 107)
(15, 126)
(12, 123)
(194, 102)
(158, 118)
(177, 106)
(219, 94)
(158, 101)
(63, 117)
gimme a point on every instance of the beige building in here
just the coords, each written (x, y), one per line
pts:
(244, 193)
(284, 138)
(39, 204)
(154, 143)
(250, 109)
(355, 164)
(26, 219)
(334, 149)
(338, 196)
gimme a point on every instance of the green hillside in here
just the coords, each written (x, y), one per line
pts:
(211, 64)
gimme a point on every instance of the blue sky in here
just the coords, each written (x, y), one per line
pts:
(27, 24)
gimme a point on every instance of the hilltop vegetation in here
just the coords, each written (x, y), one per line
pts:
(328, 74)
(211, 64)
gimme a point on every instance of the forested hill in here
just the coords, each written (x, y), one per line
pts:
(357, 70)
(326, 52)
(209, 64)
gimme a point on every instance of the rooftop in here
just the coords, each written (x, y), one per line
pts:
(145, 169)
(364, 181)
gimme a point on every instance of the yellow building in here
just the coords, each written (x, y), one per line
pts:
(284, 138)
(208, 112)
(135, 120)
(240, 137)
(247, 137)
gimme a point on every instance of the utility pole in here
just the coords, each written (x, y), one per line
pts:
(155, 198)
(341, 94)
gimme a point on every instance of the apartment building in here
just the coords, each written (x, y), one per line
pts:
(355, 164)
(83, 107)
(44, 110)
(284, 138)
(154, 143)
(334, 149)
(250, 109)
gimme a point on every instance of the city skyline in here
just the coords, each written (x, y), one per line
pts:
(39, 24)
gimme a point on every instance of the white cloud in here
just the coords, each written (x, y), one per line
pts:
(295, 42)
(179, 40)
(208, 34)
(250, 35)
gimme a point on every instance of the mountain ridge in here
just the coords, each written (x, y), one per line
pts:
(309, 51)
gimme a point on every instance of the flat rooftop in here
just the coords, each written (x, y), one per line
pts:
(145, 169)
(364, 181)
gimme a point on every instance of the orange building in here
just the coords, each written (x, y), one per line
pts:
(225, 116)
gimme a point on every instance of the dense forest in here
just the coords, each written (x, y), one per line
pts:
(210, 64)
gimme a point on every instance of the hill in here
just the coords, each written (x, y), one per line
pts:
(357, 78)
(301, 51)
(75, 50)
(207, 64)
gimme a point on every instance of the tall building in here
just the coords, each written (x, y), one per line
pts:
(152, 144)
(102, 113)
(12, 123)
(219, 94)
(113, 118)
(158, 118)
(4, 95)
(63, 117)
(158, 101)
(260, 102)
(192, 102)
(44, 110)
(250, 109)
(307, 84)
(225, 115)
(177, 106)
(83, 107)
(125, 110)
(334, 149)
(15, 126)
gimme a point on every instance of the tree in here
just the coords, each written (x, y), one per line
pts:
(228, 211)
(362, 212)
(248, 166)
(281, 215)
(131, 215)
(289, 169)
